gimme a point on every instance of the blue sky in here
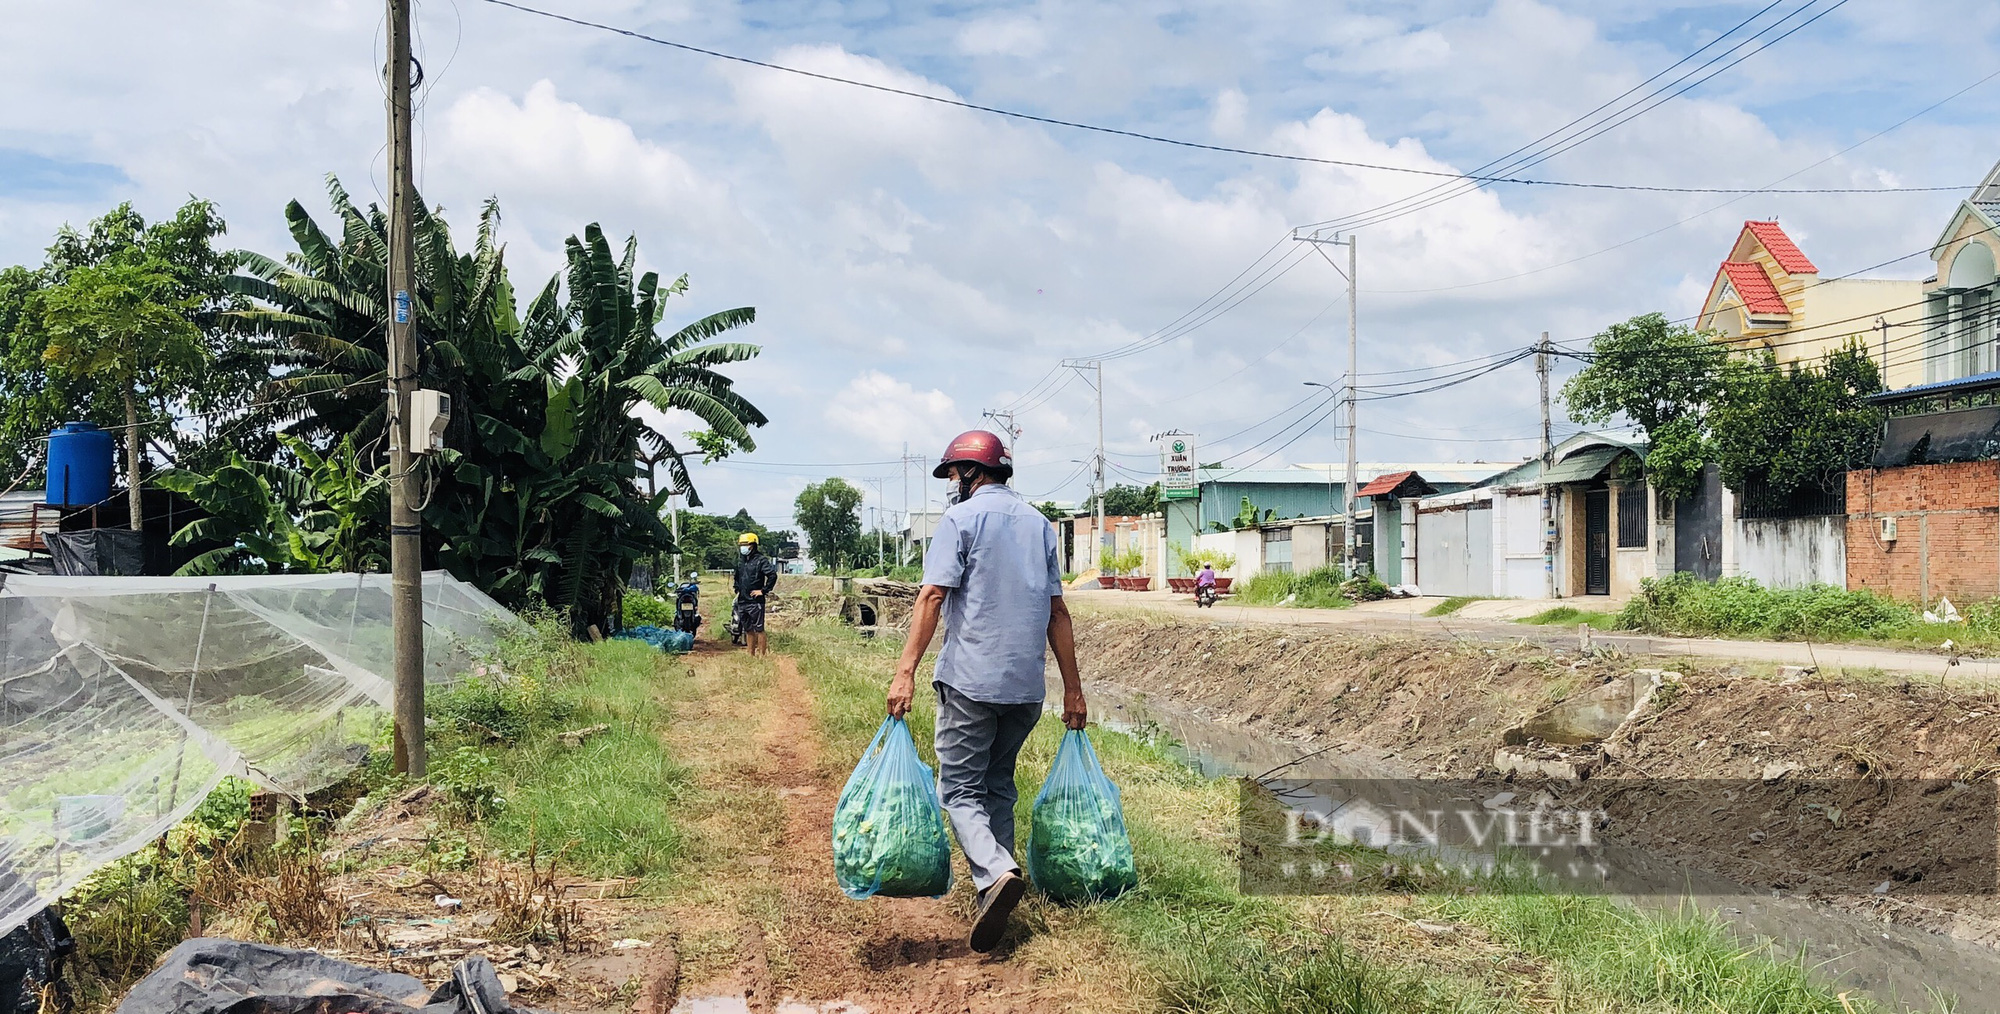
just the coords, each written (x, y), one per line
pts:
(913, 264)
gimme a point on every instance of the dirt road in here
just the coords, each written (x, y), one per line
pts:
(802, 946)
(1400, 618)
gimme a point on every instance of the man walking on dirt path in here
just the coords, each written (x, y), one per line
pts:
(993, 574)
(756, 575)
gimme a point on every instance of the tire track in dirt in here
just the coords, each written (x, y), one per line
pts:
(889, 955)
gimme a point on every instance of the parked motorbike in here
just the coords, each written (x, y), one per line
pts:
(1204, 596)
(687, 607)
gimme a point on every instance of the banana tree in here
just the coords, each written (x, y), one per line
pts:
(274, 519)
(536, 496)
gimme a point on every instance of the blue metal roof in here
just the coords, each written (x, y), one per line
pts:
(1962, 385)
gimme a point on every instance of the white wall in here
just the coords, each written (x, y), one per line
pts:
(1246, 545)
(1791, 552)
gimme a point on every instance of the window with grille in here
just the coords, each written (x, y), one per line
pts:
(1632, 517)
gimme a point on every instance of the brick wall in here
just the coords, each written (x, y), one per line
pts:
(1947, 531)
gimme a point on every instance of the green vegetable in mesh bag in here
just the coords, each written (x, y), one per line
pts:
(888, 829)
(1077, 846)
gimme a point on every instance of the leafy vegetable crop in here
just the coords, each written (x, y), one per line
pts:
(1077, 847)
(888, 829)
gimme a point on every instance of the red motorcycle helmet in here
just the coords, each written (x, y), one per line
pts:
(980, 448)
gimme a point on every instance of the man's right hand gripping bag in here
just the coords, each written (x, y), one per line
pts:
(1077, 848)
(888, 829)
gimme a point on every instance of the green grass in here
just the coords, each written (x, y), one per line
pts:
(1570, 616)
(1453, 604)
(1740, 607)
(1685, 961)
(1315, 589)
(601, 804)
(1199, 944)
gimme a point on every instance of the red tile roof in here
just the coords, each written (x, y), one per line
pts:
(1754, 287)
(1781, 248)
(1383, 484)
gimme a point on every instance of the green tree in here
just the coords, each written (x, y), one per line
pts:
(536, 495)
(1783, 429)
(829, 513)
(1051, 511)
(122, 323)
(1125, 500)
(1664, 378)
(37, 394)
(267, 518)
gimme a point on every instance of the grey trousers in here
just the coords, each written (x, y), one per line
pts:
(977, 744)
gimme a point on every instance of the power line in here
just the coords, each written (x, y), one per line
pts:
(1138, 135)
(1603, 125)
(1703, 214)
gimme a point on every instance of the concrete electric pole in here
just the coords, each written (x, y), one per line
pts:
(1548, 509)
(1097, 365)
(1349, 538)
(406, 544)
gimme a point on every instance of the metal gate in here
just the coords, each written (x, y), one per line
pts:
(1597, 542)
(1698, 528)
(1455, 551)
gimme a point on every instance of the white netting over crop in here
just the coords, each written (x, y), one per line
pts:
(125, 700)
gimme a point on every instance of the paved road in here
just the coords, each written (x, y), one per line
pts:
(1406, 617)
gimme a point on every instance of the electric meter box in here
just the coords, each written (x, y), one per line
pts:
(430, 413)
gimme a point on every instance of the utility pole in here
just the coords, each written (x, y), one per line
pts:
(1349, 543)
(406, 544)
(1097, 365)
(903, 551)
(1007, 427)
(1548, 508)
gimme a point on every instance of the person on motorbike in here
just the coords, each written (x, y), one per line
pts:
(756, 575)
(1204, 584)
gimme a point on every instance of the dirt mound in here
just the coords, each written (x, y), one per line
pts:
(1803, 760)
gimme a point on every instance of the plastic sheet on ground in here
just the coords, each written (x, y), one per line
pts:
(216, 976)
(125, 700)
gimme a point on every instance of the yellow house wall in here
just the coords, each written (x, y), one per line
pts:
(1838, 310)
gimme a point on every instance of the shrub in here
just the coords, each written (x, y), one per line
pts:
(1740, 607)
(1315, 589)
(1364, 588)
(642, 609)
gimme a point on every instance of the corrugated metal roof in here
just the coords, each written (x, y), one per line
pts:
(1962, 385)
(1584, 465)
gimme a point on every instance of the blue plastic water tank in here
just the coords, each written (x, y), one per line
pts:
(80, 465)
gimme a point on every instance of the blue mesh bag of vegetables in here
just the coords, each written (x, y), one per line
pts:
(1077, 846)
(888, 829)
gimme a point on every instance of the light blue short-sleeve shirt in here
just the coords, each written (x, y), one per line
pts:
(997, 556)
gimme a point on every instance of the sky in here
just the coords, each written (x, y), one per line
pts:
(914, 264)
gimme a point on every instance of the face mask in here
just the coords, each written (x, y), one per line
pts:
(742, 550)
(964, 485)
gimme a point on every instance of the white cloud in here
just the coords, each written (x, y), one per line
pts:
(1232, 111)
(879, 413)
(1002, 36)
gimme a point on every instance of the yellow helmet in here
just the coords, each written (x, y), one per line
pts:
(747, 539)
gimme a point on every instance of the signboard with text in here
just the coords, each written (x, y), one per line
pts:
(1177, 467)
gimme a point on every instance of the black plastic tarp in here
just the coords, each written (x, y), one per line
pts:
(216, 976)
(1934, 438)
(106, 552)
(31, 963)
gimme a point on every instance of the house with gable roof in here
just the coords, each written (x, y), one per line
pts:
(1960, 301)
(1767, 294)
